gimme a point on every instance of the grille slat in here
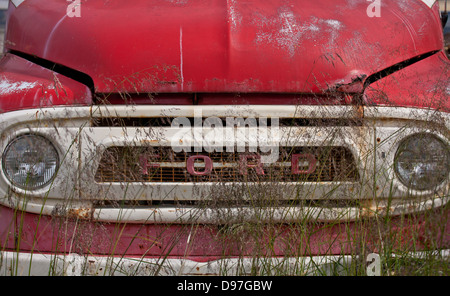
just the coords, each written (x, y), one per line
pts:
(167, 122)
(135, 164)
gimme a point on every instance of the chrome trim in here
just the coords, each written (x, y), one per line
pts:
(373, 145)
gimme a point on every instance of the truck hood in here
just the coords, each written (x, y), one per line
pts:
(254, 46)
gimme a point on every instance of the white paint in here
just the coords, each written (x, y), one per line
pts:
(291, 30)
(7, 87)
(235, 17)
(288, 35)
(335, 24)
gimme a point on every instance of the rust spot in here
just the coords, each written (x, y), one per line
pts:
(82, 213)
(368, 208)
(360, 111)
(149, 141)
(378, 140)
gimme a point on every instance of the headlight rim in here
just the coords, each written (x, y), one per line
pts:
(9, 180)
(401, 144)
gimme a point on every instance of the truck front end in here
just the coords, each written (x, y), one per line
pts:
(222, 137)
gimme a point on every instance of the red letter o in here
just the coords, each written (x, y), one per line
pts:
(191, 169)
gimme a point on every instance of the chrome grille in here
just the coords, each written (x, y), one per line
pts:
(163, 164)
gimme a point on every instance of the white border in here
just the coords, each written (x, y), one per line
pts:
(17, 2)
(429, 3)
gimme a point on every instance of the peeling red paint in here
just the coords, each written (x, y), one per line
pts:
(27, 85)
(45, 234)
(425, 84)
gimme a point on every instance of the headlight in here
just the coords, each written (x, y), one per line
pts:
(422, 162)
(30, 161)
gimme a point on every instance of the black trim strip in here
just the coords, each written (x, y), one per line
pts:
(58, 68)
(397, 67)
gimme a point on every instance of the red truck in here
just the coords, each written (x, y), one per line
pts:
(222, 137)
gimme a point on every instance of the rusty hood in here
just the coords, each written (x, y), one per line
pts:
(224, 46)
